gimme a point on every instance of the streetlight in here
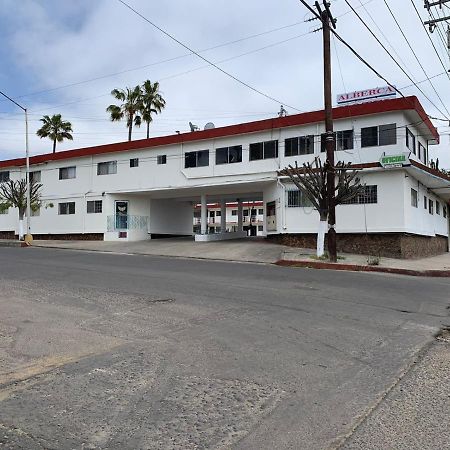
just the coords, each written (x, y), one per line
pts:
(28, 236)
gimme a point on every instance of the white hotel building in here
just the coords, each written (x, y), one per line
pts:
(151, 187)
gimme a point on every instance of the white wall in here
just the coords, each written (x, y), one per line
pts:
(149, 179)
(171, 217)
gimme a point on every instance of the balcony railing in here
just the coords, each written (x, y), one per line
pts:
(119, 223)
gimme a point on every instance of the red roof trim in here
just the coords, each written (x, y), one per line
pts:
(435, 172)
(342, 112)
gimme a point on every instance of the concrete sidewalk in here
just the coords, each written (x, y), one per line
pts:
(258, 250)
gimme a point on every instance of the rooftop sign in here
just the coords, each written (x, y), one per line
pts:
(367, 95)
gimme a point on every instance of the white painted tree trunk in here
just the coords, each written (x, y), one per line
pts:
(21, 229)
(323, 226)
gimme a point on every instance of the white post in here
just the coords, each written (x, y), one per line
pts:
(323, 226)
(27, 152)
(223, 216)
(240, 219)
(204, 215)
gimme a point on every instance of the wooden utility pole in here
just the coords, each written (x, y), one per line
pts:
(330, 144)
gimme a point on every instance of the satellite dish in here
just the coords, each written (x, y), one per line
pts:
(209, 126)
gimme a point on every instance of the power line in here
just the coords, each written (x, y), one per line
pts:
(77, 83)
(352, 50)
(205, 59)
(382, 33)
(418, 60)
(431, 40)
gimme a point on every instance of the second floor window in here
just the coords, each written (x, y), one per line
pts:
(379, 135)
(263, 150)
(134, 162)
(410, 140)
(228, 155)
(302, 145)
(161, 159)
(35, 176)
(107, 168)
(4, 176)
(422, 153)
(66, 173)
(430, 206)
(344, 140)
(196, 159)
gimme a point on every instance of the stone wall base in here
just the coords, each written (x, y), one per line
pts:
(57, 237)
(388, 245)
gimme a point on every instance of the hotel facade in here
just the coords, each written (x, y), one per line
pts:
(162, 186)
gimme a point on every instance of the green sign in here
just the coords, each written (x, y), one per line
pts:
(394, 160)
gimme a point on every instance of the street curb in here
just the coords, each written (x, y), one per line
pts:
(359, 268)
(13, 244)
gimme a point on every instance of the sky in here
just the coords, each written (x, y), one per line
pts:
(65, 57)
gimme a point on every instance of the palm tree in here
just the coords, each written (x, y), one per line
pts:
(152, 102)
(130, 108)
(56, 129)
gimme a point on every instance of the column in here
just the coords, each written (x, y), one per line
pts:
(203, 215)
(240, 220)
(223, 216)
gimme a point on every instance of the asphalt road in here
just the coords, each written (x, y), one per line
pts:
(132, 352)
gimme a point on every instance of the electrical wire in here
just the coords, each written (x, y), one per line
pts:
(395, 60)
(228, 74)
(431, 40)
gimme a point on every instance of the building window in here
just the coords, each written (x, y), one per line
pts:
(263, 150)
(218, 213)
(422, 153)
(4, 176)
(430, 206)
(66, 208)
(297, 199)
(260, 228)
(444, 211)
(234, 212)
(94, 206)
(343, 140)
(196, 159)
(438, 208)
(260, 211)
(369, 195)
(302, 145)
(425, 203)
(67, 173)
(245, 212)
(410, 140)
(35, 177)
(229, 155)
(107, 168)
(414, 198)
(134, 162)
(379, 135)
(161, 159)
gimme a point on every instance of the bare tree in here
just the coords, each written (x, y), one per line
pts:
(13, 194)
(311, 179)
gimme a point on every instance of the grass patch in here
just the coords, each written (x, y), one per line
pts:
(325, 257)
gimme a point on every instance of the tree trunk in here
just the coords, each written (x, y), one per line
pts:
(21, 235)
(54, 146)
(148, 130)
(323, 226)
(130, 127)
